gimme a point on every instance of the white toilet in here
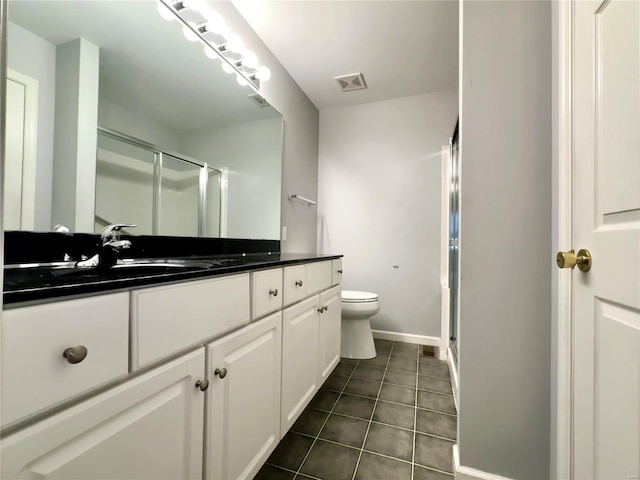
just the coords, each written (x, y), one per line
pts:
(357, 339)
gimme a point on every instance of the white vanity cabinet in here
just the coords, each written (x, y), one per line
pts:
(300, 327)
(55, 351)
(150, 427)
(195, 384)
(330, 323)
(243, 404)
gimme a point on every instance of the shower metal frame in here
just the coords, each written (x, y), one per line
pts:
(203, 180)
(454, 241)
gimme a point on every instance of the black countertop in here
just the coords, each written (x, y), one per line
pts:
(44, 284)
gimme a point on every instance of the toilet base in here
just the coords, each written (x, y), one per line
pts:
(357, 340)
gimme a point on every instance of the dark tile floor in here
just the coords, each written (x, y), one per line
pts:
(389, 418)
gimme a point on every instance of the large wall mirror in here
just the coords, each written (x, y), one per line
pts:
(113, 116)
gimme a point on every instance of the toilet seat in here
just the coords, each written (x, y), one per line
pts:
(352, 296)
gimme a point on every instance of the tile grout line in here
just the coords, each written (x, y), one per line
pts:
(364, 440)
(326, 419)
(415, 418)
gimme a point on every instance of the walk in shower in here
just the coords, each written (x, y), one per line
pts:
(162, 193)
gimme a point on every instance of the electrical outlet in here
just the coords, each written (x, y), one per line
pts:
(283, 237)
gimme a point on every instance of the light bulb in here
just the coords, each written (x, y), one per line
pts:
(249, 59)
(241, 80)
(165, 12)
(210, 52)
(215, 22)
(234, 43)
(188, 33)
(227, 68)
(263, 73)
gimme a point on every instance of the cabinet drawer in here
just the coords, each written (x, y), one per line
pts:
(318, 276)
(167, 319)
(336, 271)
(36, 375)
(295, 280)
(266, 292)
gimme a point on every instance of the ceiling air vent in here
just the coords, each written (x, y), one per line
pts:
(259, 99)
(355, 81)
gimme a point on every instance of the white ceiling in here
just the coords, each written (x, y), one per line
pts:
(401, 47)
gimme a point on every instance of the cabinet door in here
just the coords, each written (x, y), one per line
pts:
(244, 402)
(148, 428)
(330, 325)
(299, 359)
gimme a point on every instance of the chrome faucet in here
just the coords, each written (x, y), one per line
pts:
(110, 248)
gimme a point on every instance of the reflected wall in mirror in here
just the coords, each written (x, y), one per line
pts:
(133, 73)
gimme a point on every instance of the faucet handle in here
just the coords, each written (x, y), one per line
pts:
(111, 232)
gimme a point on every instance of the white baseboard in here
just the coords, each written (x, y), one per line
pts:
(455, 379)
(466, 473)
(406, 338)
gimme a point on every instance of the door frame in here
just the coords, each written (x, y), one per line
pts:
(29, 147)
(563, 113)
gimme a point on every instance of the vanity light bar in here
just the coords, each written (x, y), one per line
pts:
(246, 67)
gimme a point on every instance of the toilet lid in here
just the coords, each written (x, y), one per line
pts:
(352, 296)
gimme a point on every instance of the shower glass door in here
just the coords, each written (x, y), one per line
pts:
(454, 241)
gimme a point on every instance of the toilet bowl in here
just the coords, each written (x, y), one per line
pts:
(356, 338)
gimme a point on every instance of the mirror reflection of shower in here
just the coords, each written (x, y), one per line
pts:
(454, 240)
(163, 193)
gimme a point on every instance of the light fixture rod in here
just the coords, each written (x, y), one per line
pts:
(252, 80)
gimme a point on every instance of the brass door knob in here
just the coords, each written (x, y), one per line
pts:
(570, 259)
(75, 354)
(202, 384)
(274, 292)
(221, 372)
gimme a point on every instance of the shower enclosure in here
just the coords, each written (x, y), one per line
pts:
(162, 193)
(454, 240)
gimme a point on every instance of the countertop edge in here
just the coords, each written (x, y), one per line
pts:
(49, 294)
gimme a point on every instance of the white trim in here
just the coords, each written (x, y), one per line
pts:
(29, 148)
(563, 431)
(466, 473)
(455, 381)
(406, 337)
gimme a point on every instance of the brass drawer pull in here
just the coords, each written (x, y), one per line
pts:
(221, 372)
(274, 292)
(299, 283)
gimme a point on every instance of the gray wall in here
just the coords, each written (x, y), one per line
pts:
(379, 203)
(505, 296)
(301, 127)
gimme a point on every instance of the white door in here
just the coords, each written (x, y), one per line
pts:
(150, 427)
(244, 400)
(606, 309)
(20, 151)
(330, 328)
(299, 358)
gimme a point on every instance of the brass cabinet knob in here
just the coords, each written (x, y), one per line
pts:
(202, 384)
(320, 310)
(299, 283)
(274, 292)
(339, 271)
(221, 372)
(75, 354)
(325, 308)
(570, 259)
